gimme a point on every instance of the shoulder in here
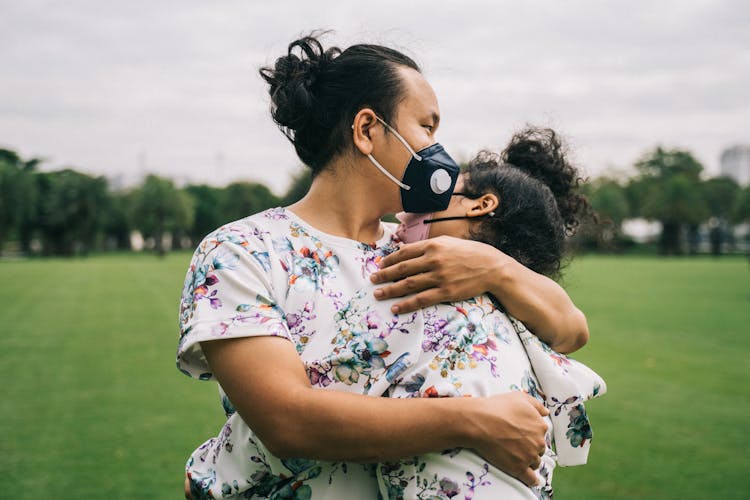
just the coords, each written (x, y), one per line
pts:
(250, 233)
(242, 246)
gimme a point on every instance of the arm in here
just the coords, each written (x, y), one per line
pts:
(267, 384)
(446, 269)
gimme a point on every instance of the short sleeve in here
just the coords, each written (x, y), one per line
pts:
(227, 294)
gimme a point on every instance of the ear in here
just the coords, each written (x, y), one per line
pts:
(483, 205)
(363, 128)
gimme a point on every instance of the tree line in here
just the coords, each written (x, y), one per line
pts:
(668, 187)
(66, 212)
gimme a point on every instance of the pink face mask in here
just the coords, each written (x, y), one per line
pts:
(413, 227)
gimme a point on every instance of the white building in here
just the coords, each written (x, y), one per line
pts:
(641, 230)
(735, 163)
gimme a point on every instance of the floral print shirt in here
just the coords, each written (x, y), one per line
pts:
(272, 274)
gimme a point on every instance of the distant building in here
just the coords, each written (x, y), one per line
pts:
(641, 230)
(735, 163)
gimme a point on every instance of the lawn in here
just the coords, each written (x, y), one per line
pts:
(93, 406)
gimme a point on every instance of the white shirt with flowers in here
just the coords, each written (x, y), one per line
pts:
(272, 274)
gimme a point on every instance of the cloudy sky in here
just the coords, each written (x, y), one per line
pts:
(128, 87)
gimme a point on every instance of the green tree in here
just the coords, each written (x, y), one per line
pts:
(741, 209)
(720, 194)
(669, 183)
(608, 199)
(115, 222)
(664, 163)
(207, 214)
(241, 199)
(636, 191)
(159, 208)
(8, 200)
(18, 197)
(70, 211)
(610, 203)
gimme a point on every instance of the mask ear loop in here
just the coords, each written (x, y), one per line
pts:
(457, 217)
(387, 173)
(406, 145)
(398, 136)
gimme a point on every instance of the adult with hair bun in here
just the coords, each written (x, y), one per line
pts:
(265, 296)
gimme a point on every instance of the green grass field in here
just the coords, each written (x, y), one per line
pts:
(93, 406)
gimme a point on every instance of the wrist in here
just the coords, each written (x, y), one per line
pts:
(501, 275)
(468, 422)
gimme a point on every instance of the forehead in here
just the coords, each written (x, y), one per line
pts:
(419, 100)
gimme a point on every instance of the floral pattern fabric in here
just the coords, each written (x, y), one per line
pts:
(271, 274)
(564, 385)
(466, 348)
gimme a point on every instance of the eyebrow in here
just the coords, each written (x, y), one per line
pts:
(435, 118)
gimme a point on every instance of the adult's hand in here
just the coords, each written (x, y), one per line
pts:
(512, 432)
(447, 269)
(442, 269)
(300, 421)
(186, 486)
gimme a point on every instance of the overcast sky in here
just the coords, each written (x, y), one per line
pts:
(136, 86)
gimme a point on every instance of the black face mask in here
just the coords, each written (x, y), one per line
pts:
(429, 178)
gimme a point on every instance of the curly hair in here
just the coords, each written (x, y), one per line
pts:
(539, 200)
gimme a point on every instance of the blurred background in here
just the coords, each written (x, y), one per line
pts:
(129, 130)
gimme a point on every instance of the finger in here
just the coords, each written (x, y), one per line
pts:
(406, 252)
(406, 286)
(529, 477)
(427, 298)
(543, 411)
(401, 270)
(188, 495)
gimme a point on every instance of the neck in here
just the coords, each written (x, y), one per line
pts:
(345, 204)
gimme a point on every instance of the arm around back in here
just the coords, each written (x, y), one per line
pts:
(541, 304)
(446, 269)
(267, 384)
(233, 330)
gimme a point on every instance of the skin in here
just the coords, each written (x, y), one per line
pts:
(266, 372)
(461, 206)
(447, 269)
(449, 264)
(475, 209)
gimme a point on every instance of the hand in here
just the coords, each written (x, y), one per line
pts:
(512, 433)
(442, 269)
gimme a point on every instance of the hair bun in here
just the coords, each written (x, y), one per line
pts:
(292, 82)
(316, 93)
(540, 153)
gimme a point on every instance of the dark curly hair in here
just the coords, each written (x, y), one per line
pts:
(539, 200)
(316, 94)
